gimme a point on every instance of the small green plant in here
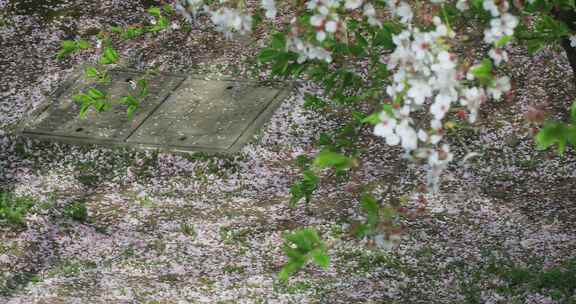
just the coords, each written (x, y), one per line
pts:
(160, 22)
(372, 209)
(76, 211)
(234, 236)
(558, 133)
(302, 246)
(140, 88)
(188, 230)
(93, 73)
(109, 55)
(314, 102)
(93, 98)
(558, 282)
(233, 269)
(69, 47)
(130, 32)
(13, 209)
(378, 217)
(304, 188)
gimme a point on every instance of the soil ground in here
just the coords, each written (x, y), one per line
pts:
(169, 228)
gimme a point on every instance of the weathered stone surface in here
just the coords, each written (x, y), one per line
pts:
(60, 119)
(182, 114)
(208, 115)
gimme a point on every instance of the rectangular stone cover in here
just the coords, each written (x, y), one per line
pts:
(179, 114)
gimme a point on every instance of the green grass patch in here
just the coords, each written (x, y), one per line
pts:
(13, 209)
(557, 282)
(77, 211)
(70, 268)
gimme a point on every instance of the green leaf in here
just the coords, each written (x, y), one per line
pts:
(483, 72)
(83, 44)
(130, 111)
(278, 41)
(162, 22)
(281, 64)
(81, 98)
(109, 56)
(143, 85)
(290, 268)
(356, 50)
(296, 194)
(301, 246)
(534, 45)
(573, 113)
(320, 257)
(555, 133)
(304, 188)
(360, 40)
(358, 116)
(76, 211)
(267, 55)
(155, 11)
(168, 8)
(313, 102)
(84, 109)
(327, 158)
(91, 72)
(96, 94)
(324, 140)
(302, 161)
(371, 207)
(129, 100)
(477, 4)
(383, 37)
(116, 29)
(256, 19)
(382, 71)
(372, 119)
(101, 105)
(132, 32)
(503, 41)
(67, 47)
(361, 230)
(388, 109)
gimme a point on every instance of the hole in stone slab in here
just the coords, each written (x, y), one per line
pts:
(128, 79)
(182, 138)
(229, 87)
(79, 129)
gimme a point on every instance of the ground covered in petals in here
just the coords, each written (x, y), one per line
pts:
(103, 225)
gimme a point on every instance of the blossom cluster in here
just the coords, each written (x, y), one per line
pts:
(227, 20)
(327, 23)
(502, 25)
(427, 75)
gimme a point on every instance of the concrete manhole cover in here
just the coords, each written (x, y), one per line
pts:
(181, 113)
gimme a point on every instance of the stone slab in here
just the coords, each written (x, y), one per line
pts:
(209, 115)
(60, 118)
(181, 113)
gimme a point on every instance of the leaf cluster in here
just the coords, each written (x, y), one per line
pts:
(92, 98)
(558, 133)
(302, 246)
(69, 47)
